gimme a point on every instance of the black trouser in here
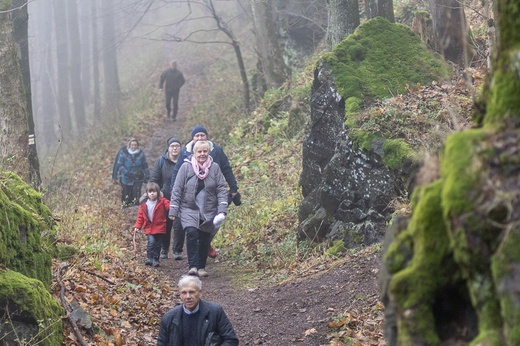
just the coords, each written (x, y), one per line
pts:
(197, 245)
(131, 193)
(178, 236)
(172, 95)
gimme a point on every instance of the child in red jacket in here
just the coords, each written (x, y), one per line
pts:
(152, 215)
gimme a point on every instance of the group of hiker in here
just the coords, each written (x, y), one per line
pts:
(186, 196)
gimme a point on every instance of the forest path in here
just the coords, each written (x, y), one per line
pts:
(295, 312)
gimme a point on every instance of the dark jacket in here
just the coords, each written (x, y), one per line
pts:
(162, 174)
(132, 168)
(213, 319)
(172, 80)
(218, 155)
(184, 201)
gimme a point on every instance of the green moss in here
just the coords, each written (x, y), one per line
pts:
(503, 265)
(395, 152)
(379, 59)
(460, 169)
(364, 139)
(24, 218)
(337, 249)
(414, 287)
(31, 297)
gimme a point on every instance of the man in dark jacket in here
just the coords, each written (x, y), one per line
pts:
(162, 175)
(172, 80)
(199, 133)
(195, 322)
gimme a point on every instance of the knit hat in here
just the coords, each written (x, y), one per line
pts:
(197, 129)
(173, 140)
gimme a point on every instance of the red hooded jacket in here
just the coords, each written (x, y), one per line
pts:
(160, 214)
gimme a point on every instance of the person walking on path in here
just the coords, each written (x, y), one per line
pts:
(200, 199)
(152, 215)
(199, 133)
(196, 321)
(171, 80)
(132, 169)
(162, 174)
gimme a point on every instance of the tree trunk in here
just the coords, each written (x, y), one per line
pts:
(95, 63)
(16, 154)
(109, 55)
(75, 67)
(343, 20)
(451, 31)
(453, 267)
(380, 8)
(62, 61)
(85, 24)
(267, 45)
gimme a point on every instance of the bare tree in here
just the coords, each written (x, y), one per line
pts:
(380, 8)
(112, 88)
(343, 20)
(451, 31)
(18, 152)
(75, 66)
(62, 61)
(270, 54)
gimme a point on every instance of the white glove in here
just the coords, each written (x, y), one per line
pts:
(218, 219)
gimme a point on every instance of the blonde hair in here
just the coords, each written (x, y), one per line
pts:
(198, 144)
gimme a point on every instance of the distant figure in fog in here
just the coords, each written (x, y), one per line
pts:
(162, 174)
(172, 80)
(132, 169)
(196, 322)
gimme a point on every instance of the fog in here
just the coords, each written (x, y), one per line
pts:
(84, 53)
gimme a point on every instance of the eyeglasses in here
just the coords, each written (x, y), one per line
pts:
(175, 146)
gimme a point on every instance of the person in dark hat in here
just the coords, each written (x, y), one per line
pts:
(172, 80)
(162, 174)
(199, 133)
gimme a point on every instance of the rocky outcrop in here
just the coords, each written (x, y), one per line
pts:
(346, 190)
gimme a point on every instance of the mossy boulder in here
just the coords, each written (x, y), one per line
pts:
(26, 231)
(380, 60)
(29, 315)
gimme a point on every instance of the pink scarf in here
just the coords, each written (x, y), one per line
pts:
(198, 168)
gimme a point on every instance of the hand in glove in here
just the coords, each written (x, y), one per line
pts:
(218, 219)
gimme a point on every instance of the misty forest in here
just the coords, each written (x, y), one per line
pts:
(370, 150)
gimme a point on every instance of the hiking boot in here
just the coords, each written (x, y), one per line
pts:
(211, 252)
(203, 273)
(177, 256)
(148, 262)
(164, 254)
(156, 264)
(193, 271)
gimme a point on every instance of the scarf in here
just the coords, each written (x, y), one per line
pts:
(201, 171)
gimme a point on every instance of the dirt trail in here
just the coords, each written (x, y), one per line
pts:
(293, 313)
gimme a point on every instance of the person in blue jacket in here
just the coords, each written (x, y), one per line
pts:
(199, 133)
(132, 169)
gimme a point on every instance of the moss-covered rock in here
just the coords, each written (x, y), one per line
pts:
(25, 219)
(28, 312)
(379, 60)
